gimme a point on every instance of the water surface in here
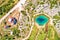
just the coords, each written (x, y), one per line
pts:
(41, 19)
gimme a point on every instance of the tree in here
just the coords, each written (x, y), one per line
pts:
(16, 32)
(59, 13)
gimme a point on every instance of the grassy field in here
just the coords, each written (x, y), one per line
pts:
(56, 17)
(50, 35)
(34, 33)
(41, 35)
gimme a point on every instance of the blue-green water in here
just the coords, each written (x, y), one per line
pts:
(41, 20)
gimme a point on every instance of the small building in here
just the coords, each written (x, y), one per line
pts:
(7, 26)
(12, 20)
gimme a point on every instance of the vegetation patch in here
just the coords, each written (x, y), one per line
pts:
(34, 33)
(6, 5)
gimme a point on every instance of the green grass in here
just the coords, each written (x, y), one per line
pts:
(56, 37)
(52, 35)
(34, 33)
(56, 17)
(41, 35)
(51, 30)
